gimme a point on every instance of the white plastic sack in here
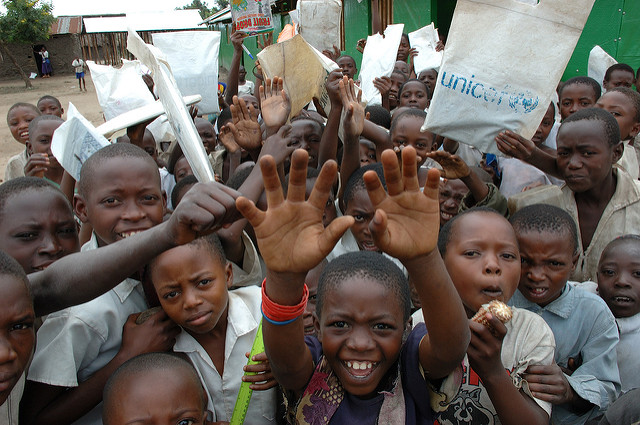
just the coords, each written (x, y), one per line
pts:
(319, 22)
(501, 66)
(75, 141)
(378, 60)
(599, 62)
(425, 41)
(193, 57)
(119, 90)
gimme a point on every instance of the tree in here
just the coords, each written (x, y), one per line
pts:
(26, 21)
(202, 7)
(220, 4)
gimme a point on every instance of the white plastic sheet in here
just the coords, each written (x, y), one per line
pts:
(319, 22)
(599, 62)
(193, 58)
(425, 41)
(501, 66)
(378, 60)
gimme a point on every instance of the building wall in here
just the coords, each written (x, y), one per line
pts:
(62, 49)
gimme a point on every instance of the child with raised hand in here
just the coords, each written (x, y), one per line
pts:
(359, 359)
(18, 118)
(583, 380)
(155, 389)
(41, 162)
(481, 254)
(50, 105)
(603, 200)
(218, 326)
(619, 287)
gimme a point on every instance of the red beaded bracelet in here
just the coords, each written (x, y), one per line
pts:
(282, 314)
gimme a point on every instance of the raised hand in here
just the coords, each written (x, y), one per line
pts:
(332, 54)
(274, 104)
(407, 220)
(37, 165)
(244, 125)
(290, 233)
(352, 110)
(453, 167)
(333, 87)
(278, 145)
(512, 144)
(383, 84)
(227, 140)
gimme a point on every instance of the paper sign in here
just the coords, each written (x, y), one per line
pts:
(425, 41)
(378, 60)
(179, 118)
(75, 141)
(252, 16)
(303, 68)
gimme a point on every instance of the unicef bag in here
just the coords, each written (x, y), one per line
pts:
(501, 65)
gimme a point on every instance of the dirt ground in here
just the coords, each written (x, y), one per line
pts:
(64, 87)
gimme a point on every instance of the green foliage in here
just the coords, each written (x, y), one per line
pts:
(26, 21)
(202, 7)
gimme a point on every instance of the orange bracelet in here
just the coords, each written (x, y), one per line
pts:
(279, 314)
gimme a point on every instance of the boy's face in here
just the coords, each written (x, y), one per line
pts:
(207, 134)
(407, 133)
(619, 278)
(451, 194)
(361, 209)
(242, 73)
(482, 259)
(168, 398)
(149, 145)
(545, 127)
(192, 287)
(125, 199)
(619, 78)
(429, 77)
(396, 81)
(348, 67)
(306, 134)
(361, 338)
(624, 112)
(547, 262)
(50, 107)
(40, 140)
(584, 155)
(17, 336)
(575, 97)
(367, 152)
(329, 214)
(18, 120)
(182, 169)
(251, 100)
(37, 228)
(414, 95)
(313, 276)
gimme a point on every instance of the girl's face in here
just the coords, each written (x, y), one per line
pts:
(361, 332)
(414, 95)
(621, 108)
(429, 77)
(407, 133)
(18, 120)
(545, 126)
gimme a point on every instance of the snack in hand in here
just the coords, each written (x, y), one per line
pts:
(497, 309)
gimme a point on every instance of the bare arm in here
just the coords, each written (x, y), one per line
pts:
(329, 142)
(379, 136)
(525, 150)
(234, 69)
(353, 123)
(455, 168)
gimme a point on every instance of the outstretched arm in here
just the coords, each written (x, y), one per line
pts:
(232, 82)
(353, 124)
(81, 277)
(525, 150)
(406, 225)
(292, 241)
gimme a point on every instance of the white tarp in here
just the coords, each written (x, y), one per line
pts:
(599, 62)
(425, 41)
(378, 60)
(145, 21)
(319, 22)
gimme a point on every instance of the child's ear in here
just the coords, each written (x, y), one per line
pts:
(634, 130)
(574, 262)
(80, 208)
(316, 325)
(29, 148)
(228, 269)
(618, 150)
(164, 202)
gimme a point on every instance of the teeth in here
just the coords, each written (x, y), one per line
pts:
(445, 215)
(360, 365)
(538, 290)
(127, 234)
(623, 299)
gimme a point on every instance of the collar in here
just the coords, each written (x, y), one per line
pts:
(628, 324)
(560, 307)
(627, 192)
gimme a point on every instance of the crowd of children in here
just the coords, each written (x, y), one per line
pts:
(360, 246)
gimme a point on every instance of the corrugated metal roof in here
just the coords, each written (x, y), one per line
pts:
(218, 16)
(146, 21)
(67, 25)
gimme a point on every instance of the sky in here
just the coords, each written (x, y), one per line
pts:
(92, 7)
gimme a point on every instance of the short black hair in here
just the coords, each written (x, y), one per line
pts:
(411, 112)
(302, 116)
(632, 95)
(609, 123)
(223, 118)
(411, 80)
(379, 115)
(23, 184)
(617, 67)
(346, 56)
(23, 105)
(9, 266)
(404, 76)
(34, 123)
(368, 265)
(582, 80)
(174, 156)
(212, 244)
(116, 150)
(312, 173)
(619, 240)
(356, 181)
(146, 364)
(52, 98)
(189, 180)
(447, 231)
(545, 218)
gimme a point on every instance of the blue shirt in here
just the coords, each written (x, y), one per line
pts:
(586, 331)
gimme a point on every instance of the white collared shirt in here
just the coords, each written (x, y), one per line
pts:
(242, 324)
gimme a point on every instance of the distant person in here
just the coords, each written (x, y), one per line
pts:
(46, 63)
(244, 86)
(78, 64)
